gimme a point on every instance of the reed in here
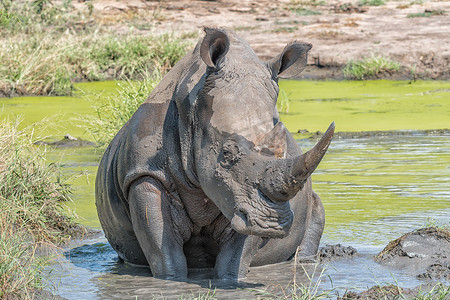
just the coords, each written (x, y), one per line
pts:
(32, 212)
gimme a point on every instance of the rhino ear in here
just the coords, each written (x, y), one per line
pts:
(214, 46)
(291, 62)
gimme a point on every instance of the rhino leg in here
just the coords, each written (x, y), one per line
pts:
(161, 242)
(316, 223)
(235, 255)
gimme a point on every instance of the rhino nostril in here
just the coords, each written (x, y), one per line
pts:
(275, 196)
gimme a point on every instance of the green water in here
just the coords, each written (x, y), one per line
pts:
(57, 116)
(367, 105)
(359, 180)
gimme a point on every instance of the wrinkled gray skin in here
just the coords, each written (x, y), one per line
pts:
(205, 175)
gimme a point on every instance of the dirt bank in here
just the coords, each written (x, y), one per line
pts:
(424, 252)
(413, 33)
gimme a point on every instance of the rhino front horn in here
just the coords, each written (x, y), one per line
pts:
(283, 178)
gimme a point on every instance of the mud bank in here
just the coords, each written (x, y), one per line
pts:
(67, 141)
(424, 252)
(340, 31)
(377, 133)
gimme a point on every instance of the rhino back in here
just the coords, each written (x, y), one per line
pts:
(149, 143)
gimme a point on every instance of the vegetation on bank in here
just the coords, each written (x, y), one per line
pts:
(112, 112)
(370, 67)
(45, 47)
(31, 211)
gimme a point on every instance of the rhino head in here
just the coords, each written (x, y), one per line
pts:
(241, 153)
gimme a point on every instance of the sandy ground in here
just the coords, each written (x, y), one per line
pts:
(420, 44)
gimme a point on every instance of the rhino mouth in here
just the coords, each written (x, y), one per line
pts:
(265, 218)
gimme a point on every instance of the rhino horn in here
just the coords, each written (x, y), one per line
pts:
(283, 178)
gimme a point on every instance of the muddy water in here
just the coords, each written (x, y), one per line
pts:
(373, 190)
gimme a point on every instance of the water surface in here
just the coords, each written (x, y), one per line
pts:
(373, 190)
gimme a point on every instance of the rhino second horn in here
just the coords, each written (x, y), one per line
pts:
(283, 178)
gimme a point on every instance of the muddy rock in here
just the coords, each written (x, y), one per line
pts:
(334, 252)
(377, 133)
(376, 292)
(388, 292)
(46, 295)
(424, 252)
(67, 142)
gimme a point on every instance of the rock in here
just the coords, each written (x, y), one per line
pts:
(67, 142)
(69, 137)
(334, 252)
(303, 131)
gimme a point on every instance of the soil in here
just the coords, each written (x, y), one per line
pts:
(340, 30)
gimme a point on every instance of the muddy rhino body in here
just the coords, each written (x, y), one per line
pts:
(205, 175)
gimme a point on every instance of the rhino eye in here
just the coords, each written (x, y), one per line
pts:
(231, 153)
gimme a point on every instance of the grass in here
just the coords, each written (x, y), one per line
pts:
(432, 222)
(283, 101)
(438, 292)
(301, 7)
(370, 67)
(307, 289)
(296, 3)
(285, 29)
(371, 2)
(31, 211)
(301, 11)
(427, 14)
(114, 111)
(45, 50)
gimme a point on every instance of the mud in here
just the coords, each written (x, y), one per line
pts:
(437, 271)
(334, 252)
(339, 30)
(67, 142)
(389, 292)
(376, 133)
(376, 292)
(424, 252)
(46, 295)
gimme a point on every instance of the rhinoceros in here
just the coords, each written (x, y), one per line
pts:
(204, 174)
